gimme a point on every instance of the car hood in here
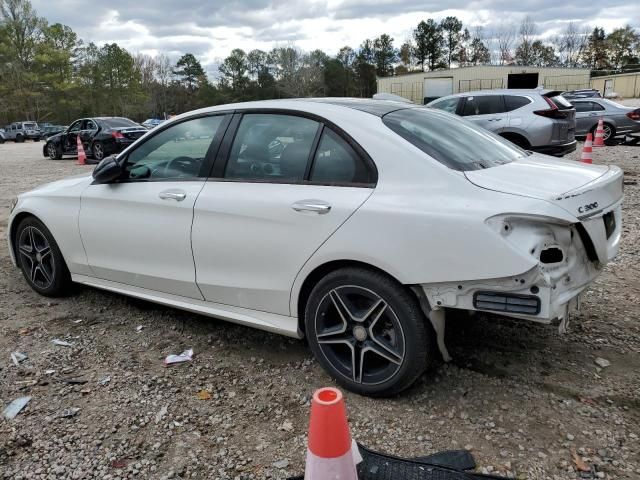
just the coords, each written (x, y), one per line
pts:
(578, 188)
(64, 184)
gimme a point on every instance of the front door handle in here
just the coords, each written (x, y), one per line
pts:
(316, 206)
(177, 195)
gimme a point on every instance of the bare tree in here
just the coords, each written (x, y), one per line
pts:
(527, 33)
(570, 44)
(505, 36)
(164, 74)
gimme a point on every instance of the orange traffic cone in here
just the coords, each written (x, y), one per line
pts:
(587, 151)
(331, 454)
(599, 140)
(82, 157)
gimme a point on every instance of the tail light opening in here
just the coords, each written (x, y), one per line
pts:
(117, 135)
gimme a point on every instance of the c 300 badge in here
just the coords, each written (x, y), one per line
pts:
(588, 207)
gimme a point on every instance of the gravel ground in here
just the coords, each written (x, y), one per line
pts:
(522, 397)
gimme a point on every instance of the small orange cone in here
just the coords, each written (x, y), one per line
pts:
(82, 157)
(331, 454)
(599, 140)
(587, 151)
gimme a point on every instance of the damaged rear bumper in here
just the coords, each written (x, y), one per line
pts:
(569, 258)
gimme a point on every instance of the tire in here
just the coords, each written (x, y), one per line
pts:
(19, 139)
(36, 139)
(609, 133)
(394, 340)
(54, 152)
(1, 140)
(40, 259)
(98, 151)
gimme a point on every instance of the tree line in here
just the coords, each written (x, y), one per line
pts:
(49, 74)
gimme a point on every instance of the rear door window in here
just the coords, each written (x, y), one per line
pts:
(336, 162)
(483, 105)
(514, 102)
(587, 106)
(271, 147)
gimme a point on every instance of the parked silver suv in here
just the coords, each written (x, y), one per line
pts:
(538, 120)
(21, 131)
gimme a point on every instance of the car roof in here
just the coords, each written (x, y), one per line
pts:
(506, 91)
(319, 106)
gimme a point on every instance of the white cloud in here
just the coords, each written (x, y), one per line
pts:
(210, 30)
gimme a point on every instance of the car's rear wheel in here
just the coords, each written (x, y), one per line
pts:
(367, 331)
(54, 152)
(40, 259)
(609, 133)
(98, 151)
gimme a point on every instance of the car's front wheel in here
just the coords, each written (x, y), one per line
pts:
(54, 152)
(40, 259)
(98, 151)
(367, 331)
(19, 139)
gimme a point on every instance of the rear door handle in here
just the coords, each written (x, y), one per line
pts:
(177, 195)
(316, 206)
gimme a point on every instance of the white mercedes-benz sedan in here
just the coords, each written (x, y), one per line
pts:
(353, 223)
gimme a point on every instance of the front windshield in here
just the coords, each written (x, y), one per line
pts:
(30, 126)
(451, 140)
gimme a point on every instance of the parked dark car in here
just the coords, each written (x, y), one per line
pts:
(100, 136)
(583, 93)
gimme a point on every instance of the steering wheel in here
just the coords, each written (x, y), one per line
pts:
(183, 164)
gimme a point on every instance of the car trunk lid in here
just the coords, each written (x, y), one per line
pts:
(131, 133)
(582, 190)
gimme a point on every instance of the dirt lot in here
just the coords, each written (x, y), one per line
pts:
(519, 395)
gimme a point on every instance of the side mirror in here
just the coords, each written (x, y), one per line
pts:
(108, 170)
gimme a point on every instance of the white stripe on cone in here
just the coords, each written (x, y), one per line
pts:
(339, 468)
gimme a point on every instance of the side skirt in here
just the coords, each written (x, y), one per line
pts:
(269, 322)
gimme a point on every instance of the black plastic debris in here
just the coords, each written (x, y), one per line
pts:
(448, 465)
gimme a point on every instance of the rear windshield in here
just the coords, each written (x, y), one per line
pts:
(561, 102)
(451, 140)
(119, 123)
(606, 101)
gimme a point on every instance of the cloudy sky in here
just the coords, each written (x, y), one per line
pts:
(211, 29)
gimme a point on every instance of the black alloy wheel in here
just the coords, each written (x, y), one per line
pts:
(98, 151)
(367, 331)
(40, 259)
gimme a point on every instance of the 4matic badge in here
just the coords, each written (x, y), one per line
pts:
(588, 207)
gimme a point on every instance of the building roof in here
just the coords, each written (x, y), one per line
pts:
(471, 67)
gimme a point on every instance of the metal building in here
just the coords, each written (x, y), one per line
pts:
(422, 87)
(625, 85)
